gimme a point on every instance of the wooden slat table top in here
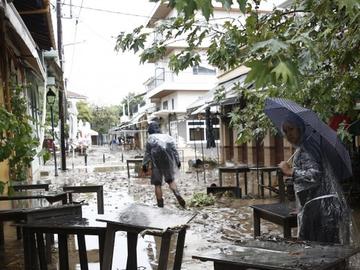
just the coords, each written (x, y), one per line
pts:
(141, 217)
(235, 168)
(133, 160)
(32, 195)
(264, 168)
(66, 223)
(282, 210)
(280, 255)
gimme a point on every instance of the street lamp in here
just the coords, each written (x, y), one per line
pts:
(50, 98)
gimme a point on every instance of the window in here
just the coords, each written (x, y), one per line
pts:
(165, 105)
(196, 130)
(172, 104)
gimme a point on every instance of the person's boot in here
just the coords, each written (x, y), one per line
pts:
(160, 203)
(180, 199)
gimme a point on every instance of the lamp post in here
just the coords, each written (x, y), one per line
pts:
(50, 98)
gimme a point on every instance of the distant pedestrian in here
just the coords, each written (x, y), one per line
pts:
(164, 158)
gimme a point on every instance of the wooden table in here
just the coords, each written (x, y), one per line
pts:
(89, 189)
(26, 214)
(62, 226)
(261, 184)
(278, 213)
(21, 187)
(50, 196)
(237, 170)
(132, 160)
(137, 218)
(269, 255)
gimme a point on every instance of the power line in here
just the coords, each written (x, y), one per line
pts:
(109, 11)
(75, 36)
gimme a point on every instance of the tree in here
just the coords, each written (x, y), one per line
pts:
(84, 112)
(104, 118)
(132, 100)
(308, 53)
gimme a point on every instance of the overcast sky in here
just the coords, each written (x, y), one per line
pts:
(91, 66)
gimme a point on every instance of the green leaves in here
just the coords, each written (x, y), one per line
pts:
(17, 144)
(352, 6)
(242, 5)
(283, 71)
(201, 199)
(273, 46)
(308, 52)
(185, 58)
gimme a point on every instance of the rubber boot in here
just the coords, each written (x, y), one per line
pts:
(180, 199)
(160, 203)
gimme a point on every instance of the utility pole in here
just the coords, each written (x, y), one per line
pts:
(61, 91)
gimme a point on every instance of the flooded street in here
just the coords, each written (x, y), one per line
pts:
(229, 220)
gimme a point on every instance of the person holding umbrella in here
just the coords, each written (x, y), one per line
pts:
(319, 164)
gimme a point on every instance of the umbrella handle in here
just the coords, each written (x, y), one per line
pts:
(297, 150)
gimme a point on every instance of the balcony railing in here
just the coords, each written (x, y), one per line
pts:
(161, 76)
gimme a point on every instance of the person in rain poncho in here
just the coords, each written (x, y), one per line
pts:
(161, 151)
(323, 214)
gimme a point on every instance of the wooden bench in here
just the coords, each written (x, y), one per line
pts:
(269, 255)
(278, 213)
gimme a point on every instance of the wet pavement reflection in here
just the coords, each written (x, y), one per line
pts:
(228, 221)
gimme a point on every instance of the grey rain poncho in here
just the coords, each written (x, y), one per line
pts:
(161, 151)
(323, 214)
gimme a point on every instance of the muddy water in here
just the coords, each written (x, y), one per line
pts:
(214, 227)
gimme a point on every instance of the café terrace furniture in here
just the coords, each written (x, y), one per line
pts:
(278, 213)
(98, 189)
(23, 215)
(270, 255)
(34, 245)
(50, 196)
(21, 187)
(138, 219)
(134, 161)
(279, 189)
(238, 169)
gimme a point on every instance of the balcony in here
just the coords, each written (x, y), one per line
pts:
(166, 82)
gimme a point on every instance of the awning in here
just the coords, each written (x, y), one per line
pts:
(135, 119)
(23, 39)
(231, 96)
(93, 132)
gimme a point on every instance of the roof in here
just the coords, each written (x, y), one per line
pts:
(36, 15)
(160, 12)
(75, 95)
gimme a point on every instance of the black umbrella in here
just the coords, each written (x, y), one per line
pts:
(317, 132)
